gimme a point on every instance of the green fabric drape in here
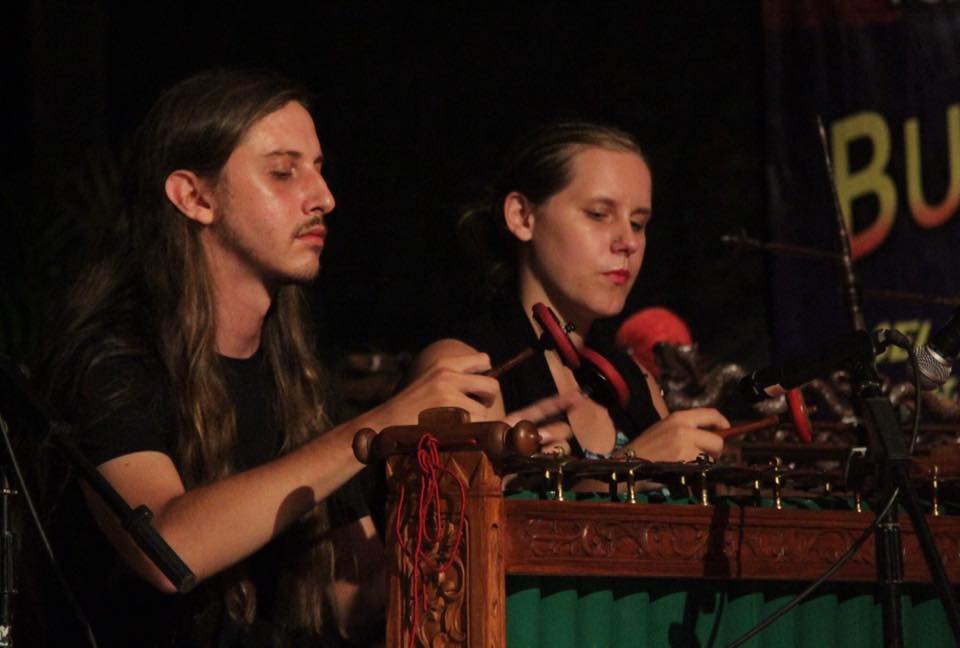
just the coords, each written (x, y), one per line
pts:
(562, 612)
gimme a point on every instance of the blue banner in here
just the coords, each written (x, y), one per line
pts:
(885, 79)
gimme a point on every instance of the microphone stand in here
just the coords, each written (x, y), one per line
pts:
(7, 584)
(135, 521)
(891, 455)
(892, 459)
(740, 241)
(848, 278)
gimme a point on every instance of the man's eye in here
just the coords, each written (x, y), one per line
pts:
(595, 215)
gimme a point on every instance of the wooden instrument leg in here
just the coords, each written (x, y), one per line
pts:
(452, 618)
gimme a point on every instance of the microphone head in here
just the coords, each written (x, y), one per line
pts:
(642, 331)
(934, 369)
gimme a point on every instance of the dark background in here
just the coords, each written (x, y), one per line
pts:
(415, 106)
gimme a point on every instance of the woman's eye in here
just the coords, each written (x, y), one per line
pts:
(638, 226)
(595, 215)
(281, 174)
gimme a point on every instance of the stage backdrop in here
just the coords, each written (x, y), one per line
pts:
(885, 78)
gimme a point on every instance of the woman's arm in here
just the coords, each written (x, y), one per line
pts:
(681, 436)
(656, 392)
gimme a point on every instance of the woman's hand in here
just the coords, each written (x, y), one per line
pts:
(555, 438)
(547, 415)
(681, 436)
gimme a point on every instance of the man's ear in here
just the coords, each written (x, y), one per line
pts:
(518, 215)
(191, 195)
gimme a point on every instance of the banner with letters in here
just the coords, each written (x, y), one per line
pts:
(884, 77)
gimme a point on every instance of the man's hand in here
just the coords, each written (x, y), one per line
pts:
(453, 381)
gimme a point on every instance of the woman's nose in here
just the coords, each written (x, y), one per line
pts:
(627, 241)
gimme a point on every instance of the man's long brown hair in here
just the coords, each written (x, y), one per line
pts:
(151, 296)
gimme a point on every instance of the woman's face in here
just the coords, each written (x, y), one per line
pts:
(586, 242)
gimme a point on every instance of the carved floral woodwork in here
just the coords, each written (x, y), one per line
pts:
(688, 541)
(448, 619)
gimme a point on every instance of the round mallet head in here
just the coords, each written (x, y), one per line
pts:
(798, 412)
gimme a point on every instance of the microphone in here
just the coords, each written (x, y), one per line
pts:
(773, 381)
(641, 332)
(935, 358)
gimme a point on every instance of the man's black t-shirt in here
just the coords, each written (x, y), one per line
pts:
(123, 609)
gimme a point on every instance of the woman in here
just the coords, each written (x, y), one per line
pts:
(566, 226)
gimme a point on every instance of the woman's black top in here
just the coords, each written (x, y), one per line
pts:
(504, 330)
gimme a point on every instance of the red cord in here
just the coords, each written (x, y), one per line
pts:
(428, 461)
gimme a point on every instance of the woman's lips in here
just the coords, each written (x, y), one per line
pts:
(618, 277)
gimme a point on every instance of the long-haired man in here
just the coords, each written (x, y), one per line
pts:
(186, 363)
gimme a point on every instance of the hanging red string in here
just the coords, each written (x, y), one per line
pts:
(428, 504)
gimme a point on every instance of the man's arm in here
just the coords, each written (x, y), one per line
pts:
(216, 525)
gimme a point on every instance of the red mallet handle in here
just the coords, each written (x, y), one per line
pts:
(743, 428)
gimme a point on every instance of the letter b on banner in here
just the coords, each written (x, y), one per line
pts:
(871, 179)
